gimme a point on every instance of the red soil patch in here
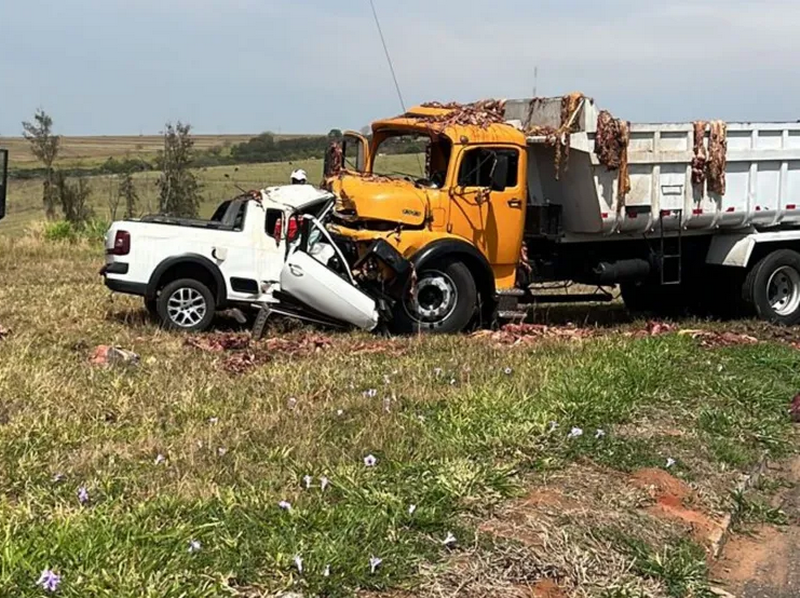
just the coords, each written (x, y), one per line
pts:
(547, 588)
(673, 500)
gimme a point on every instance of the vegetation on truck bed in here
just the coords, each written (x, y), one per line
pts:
(339, 461)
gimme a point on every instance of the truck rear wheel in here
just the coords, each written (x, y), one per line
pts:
(442, 301)
(772, 287)
(186, 305)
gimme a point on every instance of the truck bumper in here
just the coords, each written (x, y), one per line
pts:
(121, 286)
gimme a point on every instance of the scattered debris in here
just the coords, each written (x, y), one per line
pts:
(611, 146)
(558, 138)
(476, 114)
(710, 339)
(794, 408)
(107, 355)
(515, 334)
(219, 342)
(4, 332)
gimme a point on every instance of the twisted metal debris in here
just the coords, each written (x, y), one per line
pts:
(708, 165)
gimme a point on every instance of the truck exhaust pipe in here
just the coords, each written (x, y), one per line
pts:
(608, 273)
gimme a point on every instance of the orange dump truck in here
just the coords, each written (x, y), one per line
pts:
(514, 194)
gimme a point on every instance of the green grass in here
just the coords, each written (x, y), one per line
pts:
(459, 437)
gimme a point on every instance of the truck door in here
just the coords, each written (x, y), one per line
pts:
(489, 201)
(3, 181)
(355, 151)
(309, 277)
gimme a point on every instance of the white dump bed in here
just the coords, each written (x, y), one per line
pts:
(762, 172)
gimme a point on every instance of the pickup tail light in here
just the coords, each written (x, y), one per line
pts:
(291, 233)
(122, 243)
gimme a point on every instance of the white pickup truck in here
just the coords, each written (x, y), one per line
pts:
(262, 248)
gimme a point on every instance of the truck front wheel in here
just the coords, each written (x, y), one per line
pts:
(443, 300)
(772, 288)
(186, 305)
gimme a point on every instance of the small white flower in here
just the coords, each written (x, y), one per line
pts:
(58, 477)
(438, 372)
(670, 462)
(450, 540)
(221, 451)
(371, 393)
(370, 461)
(307, 479)
(575, 433)
(387, 405)
(195, 546)
(298, 562)
(374, 563)
(285, 505)
(508, 371)
(599, 434)
(553, 426)
(213, 421)
(386, 379)
(452, 382)
(291, 403)
(411, 509)
(323, 483)
(160, 459)
(340, 412)
(327, 572)
(421, 417)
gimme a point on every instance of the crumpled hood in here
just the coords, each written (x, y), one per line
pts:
(381, 198)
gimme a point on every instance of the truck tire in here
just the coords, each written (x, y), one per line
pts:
(772, 288)
(187, 305)
(443, 301)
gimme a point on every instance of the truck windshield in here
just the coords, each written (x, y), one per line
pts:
(421, 158)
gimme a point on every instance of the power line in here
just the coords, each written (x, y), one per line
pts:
(388, 57)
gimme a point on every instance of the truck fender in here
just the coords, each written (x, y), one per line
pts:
(193, 259)
(475, 261)
(737, 249)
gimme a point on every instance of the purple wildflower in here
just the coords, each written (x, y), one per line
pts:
(323, 483)
(285, 505)
(49, 581)
(370, 461)
(374, 563)
(195, 546)
(83, 495)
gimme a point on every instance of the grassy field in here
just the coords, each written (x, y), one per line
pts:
(186, 459)
(24, 200)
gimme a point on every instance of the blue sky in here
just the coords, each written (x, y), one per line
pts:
(242, 66)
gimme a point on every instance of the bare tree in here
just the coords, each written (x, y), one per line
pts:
(44, 145)
(179, 189)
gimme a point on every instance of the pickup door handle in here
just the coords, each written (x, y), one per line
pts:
(295, 270)
(514, 203)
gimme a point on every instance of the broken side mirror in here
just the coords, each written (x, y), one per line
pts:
(3, 181)
(499, 172)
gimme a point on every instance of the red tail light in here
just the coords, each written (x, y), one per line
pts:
(277, 232)
(293, 229)
(122, 243)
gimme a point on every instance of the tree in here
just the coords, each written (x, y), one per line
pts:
(44, 146)
(179, 189)
(73, 197)
(334, 134)
(127, 190)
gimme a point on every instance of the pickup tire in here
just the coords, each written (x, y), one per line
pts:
(187, 305)
(772, 287)
(443, 300)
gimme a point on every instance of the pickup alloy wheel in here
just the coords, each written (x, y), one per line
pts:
(186, 304)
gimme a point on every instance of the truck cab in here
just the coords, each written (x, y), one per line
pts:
(458, 218)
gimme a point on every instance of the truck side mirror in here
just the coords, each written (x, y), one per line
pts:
(3, 181)
(499, 173)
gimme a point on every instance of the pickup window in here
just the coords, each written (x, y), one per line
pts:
(231, 213)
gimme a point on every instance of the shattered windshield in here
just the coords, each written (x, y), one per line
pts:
(420, 158)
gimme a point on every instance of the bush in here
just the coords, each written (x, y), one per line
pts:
(60, 230)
